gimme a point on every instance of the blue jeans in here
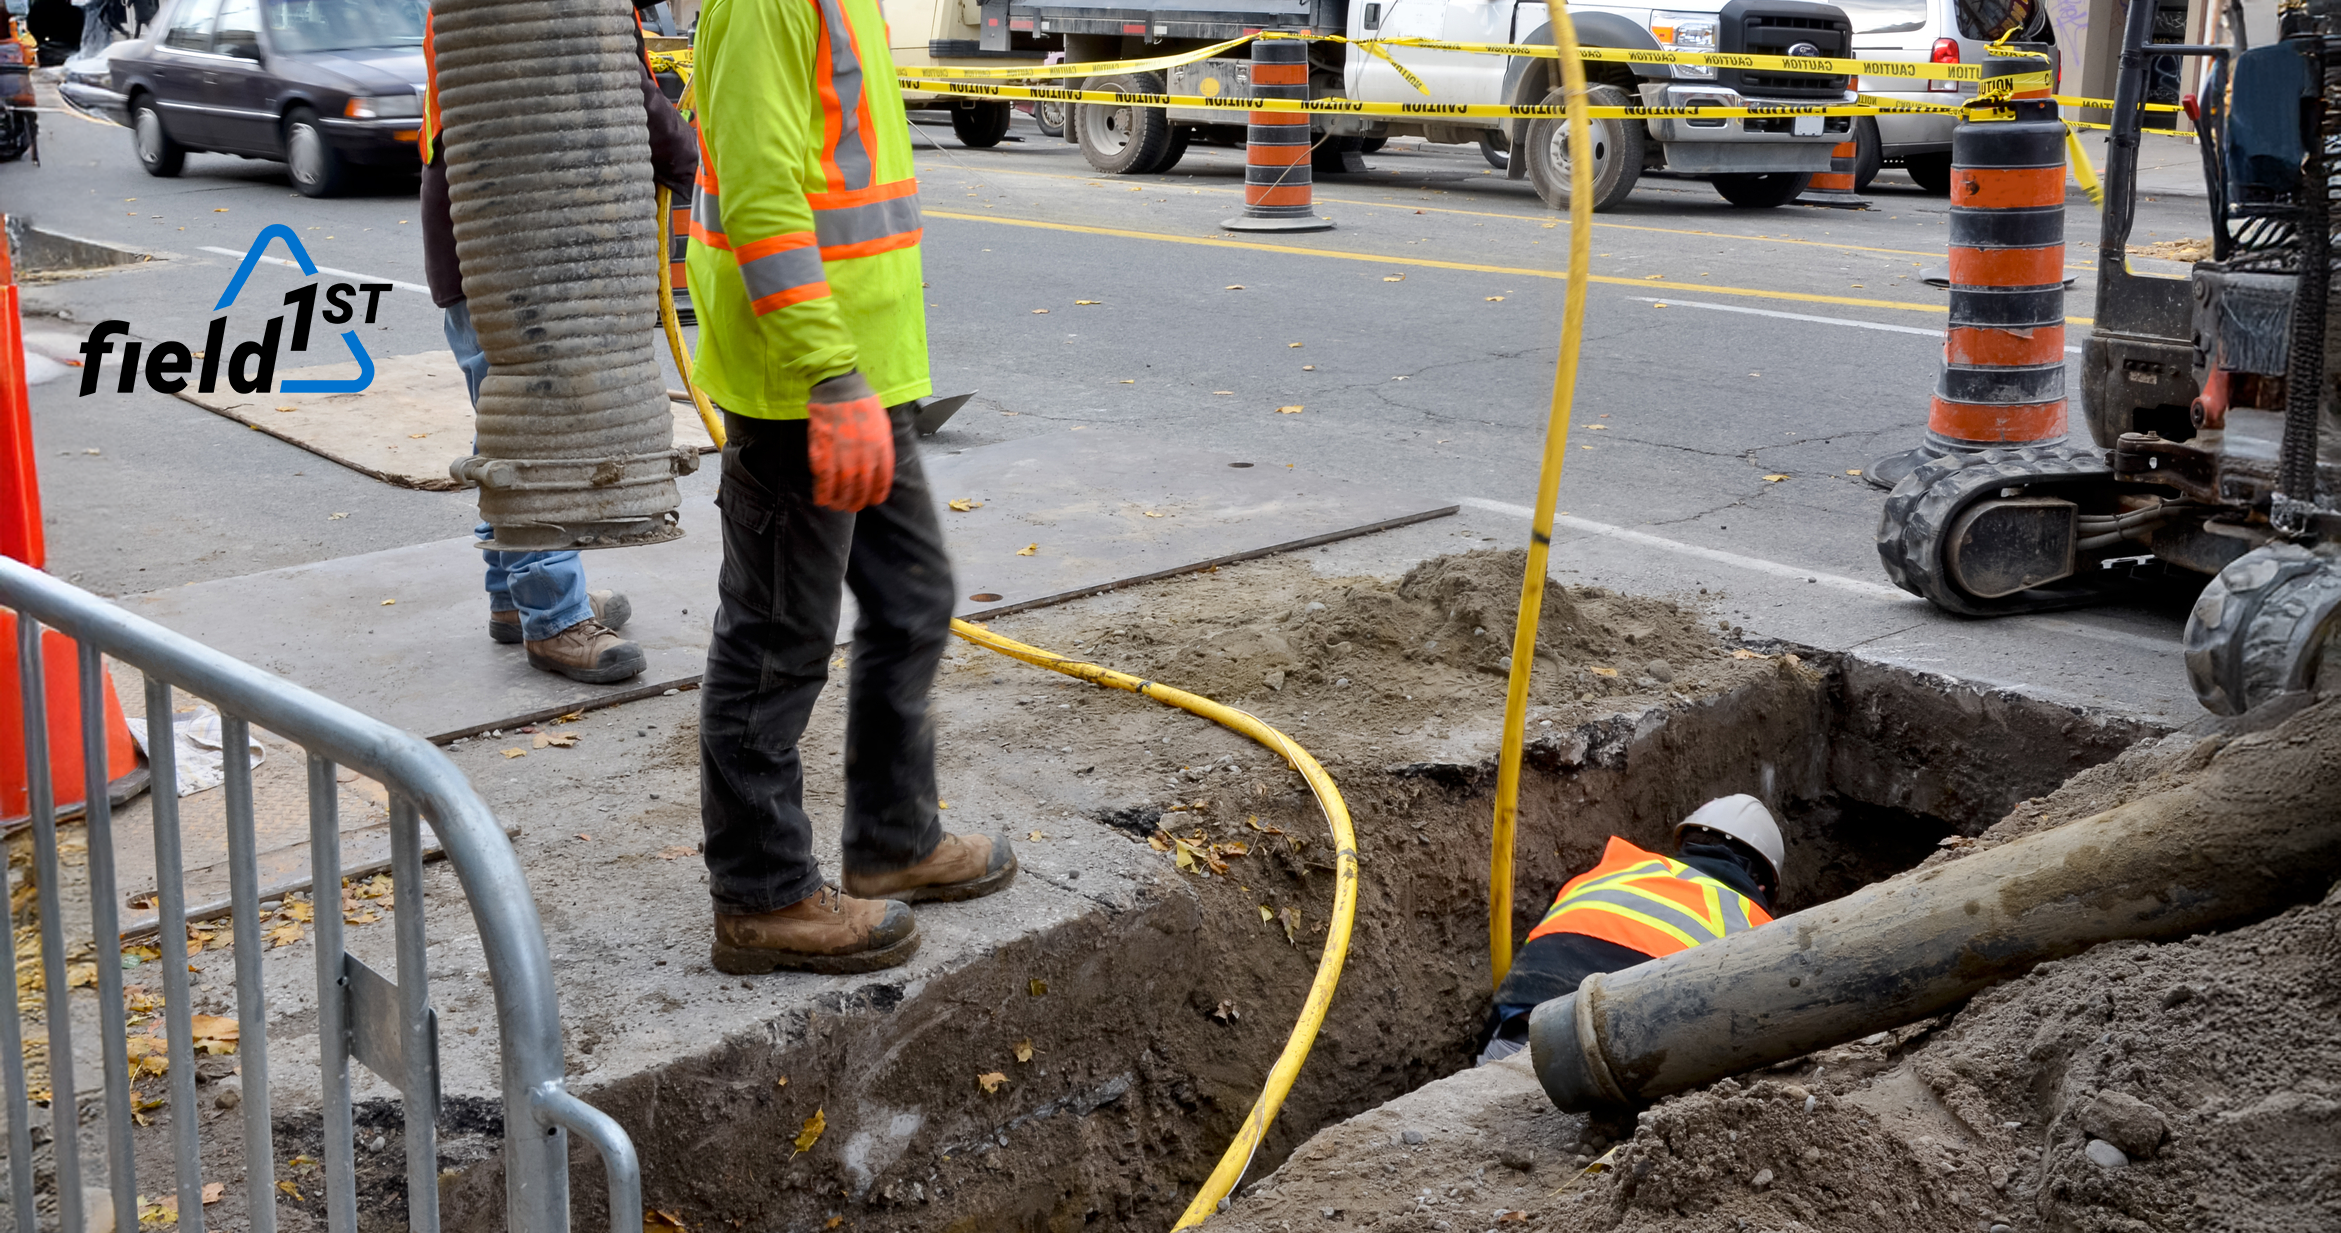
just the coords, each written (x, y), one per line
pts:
(546, 588)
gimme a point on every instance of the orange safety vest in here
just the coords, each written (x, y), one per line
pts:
(1645, 902)
(427, 141)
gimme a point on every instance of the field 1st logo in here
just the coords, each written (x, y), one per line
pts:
(251, 367)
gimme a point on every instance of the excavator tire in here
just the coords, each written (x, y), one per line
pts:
(2262, 627)
(1914, 531)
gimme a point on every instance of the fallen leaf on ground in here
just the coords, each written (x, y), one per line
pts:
(570, 718)
(1648, 277)
(1089, 301)
(835, 1221)
(1223, 393)
(1024, 1049)
(283, 935)
(1035, 837)
(1184, 856)
(1853, 473)
(81, 975)
(515, 752)
(965, 504)
(214, 1034)
(1154, 514)
(288, 408)
(1159, 842)
(292, 1190)
(386, 603)
(991, 1081)
(416, 436)
(656, 1219)
(360, 917)
(158, 1211)
(213, 1192)
(149, 1055)
(1292, 925)
(1267, 914)
(1028, 550)
(298, 909)
(1227, 1012)
(811, 1134)
(555, 740)
(1294, 409)
(1292, 344)
(781, 1081)
(1603, 671)
(1745, 653)
(1040, 312)
(1235, 286)
(1037, 987)
(1774, 479)
(681, 849)
(1495, 299)
(1254, 822)
(1394, 278)
(1513, 1217)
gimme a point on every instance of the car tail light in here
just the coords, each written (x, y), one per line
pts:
(1946, 52)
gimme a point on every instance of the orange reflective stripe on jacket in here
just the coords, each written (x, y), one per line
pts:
(855, 217)
(1646, 902)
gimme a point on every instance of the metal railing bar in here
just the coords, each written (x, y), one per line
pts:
(105, 921)
(414, 1011)
(162, 762)
(333, 1066)
(556, 1109)
(251, 999)
(20, 1123)
(64, 1109)
(502, 907)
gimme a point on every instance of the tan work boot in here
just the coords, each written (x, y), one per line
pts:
(609, 607)
(960, 867)
(588, 652)
(831, 933)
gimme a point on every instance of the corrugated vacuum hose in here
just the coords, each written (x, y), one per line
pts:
(549, 180)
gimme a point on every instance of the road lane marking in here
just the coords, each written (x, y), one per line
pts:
(1839, 582)
(1427, 263)
(324, 269)
(1937, 335)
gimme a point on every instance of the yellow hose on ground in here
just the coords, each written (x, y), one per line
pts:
(1238, 1156)
(1548, 492)
(674, 328)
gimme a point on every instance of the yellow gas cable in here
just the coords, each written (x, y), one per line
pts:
(1238, 1156)
(674, 328)
(1548, 492)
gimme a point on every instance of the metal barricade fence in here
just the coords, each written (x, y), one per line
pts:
(387, 1028)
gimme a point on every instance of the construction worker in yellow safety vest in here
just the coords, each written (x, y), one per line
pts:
(1636, 906)
(804, 267)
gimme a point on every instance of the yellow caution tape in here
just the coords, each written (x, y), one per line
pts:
(1352, 107)
(1058, 72)
(2082, 171)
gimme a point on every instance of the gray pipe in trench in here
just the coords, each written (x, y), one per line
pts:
(549, 183)
(2256, 830)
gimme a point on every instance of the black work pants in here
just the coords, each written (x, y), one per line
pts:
(784, 559)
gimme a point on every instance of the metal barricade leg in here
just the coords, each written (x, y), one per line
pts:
(171, 908)
(333, 1063)
(414, 1022)
(251, 1001)
(64, 1109)
(105, 920)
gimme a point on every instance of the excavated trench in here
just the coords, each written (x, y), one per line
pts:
(1149, 1027)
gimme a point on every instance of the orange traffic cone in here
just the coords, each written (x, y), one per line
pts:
(20, 537)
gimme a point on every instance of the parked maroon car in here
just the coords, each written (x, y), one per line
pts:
(320, 84)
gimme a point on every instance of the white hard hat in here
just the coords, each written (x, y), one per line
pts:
(1744, 818)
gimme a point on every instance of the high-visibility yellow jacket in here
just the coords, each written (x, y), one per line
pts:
(804, 262)
(1646, 902)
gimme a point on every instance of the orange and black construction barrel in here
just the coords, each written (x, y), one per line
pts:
(1834, 187)
(2002, 384)
(1277, 179)
(679, 247)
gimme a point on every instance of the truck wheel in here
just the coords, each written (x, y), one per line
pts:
(1372, 145)
(1931, 171)
(1050, 117)
(1174, 149)
(1869, 153)
(1124, 140)
(1762, 191)
(1498, 159)
(981, 126)
(1617, 152)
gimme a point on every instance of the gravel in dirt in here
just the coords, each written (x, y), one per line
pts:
(2138, 1086)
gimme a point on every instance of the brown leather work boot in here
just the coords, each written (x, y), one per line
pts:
(589, 652)
(609, 607)
(831, 933)
(960, 867)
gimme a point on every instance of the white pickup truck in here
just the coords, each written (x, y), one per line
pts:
(1756, 162)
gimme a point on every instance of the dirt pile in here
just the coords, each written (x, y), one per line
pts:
(2187, 1085)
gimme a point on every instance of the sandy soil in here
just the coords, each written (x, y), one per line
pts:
(2189, 1085)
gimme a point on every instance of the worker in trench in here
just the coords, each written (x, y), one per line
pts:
(538, 600)
(1636, 906)
(804, 266)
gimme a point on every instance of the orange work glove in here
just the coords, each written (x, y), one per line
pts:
(850, 443)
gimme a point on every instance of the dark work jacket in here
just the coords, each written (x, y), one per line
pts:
(1552, 966)
(674, 160)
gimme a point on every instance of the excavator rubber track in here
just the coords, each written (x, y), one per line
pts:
(1913, 531)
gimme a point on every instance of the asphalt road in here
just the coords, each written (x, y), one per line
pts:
(1723, 349)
